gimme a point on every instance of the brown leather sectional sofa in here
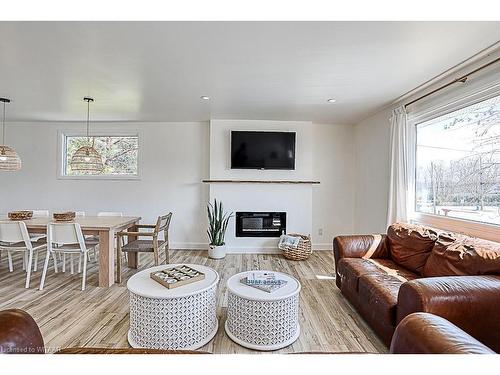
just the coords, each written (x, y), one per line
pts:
(418, 269)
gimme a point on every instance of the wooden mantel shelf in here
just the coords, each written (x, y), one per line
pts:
(259, 182)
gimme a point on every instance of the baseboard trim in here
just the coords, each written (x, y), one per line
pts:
(243, 250)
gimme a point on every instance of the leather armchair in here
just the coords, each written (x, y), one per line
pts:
(470, 302)
(423, 333)
(19, 333)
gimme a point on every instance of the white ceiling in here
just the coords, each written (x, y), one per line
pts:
(157, 71)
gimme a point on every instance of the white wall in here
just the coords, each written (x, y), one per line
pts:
(334, 166)
(371, 180)
(174, 159)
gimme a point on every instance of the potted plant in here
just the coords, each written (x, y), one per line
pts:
(217, 225)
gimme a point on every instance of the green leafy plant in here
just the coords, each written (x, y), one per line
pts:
(217, 223)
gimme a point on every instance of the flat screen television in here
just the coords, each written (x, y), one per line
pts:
(262, 150)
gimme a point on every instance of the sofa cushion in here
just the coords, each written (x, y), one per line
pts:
(379, 291)
(459, 255)
(363, 284)
(410, 245)
(351, 269)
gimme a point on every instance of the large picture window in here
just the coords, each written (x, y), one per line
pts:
(119, 155)
(458, 164)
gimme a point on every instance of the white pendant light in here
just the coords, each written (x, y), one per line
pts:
(9, 160)
(87, 159)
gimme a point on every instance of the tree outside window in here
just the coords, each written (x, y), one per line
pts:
(458, 164)
(119, 154)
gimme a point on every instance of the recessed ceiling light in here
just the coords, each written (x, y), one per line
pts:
(204, 97)
(331, 100)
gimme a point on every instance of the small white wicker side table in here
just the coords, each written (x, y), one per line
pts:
(179, 318)
(260, 320)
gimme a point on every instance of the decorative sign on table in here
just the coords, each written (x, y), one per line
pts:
(177, 276)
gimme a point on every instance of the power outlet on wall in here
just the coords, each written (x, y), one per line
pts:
(320, 231)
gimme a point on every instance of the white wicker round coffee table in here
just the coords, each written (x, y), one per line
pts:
(180, 318)
(260, 320)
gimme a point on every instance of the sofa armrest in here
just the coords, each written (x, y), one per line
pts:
(423, 333)
(470, 302)
(358, 246)
(19, 333)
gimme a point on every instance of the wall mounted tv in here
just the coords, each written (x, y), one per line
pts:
(262, 150)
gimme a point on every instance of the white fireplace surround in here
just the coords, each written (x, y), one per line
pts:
(295, 200)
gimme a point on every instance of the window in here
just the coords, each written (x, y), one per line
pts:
(119, 155)
(458, 164)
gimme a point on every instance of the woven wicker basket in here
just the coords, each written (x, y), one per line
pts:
(303, 250)
(20, 215)
(64, 216)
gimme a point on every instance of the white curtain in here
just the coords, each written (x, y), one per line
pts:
(399, 162)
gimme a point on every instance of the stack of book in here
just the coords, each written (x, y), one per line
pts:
(265, 281)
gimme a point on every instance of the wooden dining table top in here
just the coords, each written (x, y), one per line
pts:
(86, 222)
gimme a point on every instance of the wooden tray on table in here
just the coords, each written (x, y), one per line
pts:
(175, 277)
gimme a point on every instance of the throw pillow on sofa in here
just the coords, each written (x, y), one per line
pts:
(410, 245)
(458, 255)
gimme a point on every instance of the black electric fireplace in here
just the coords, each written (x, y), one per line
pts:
(260, 224)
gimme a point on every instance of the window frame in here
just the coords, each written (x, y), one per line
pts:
(468, 227)
(61, 153)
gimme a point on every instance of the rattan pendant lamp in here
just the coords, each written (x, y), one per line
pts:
(9, 159)
(86, 159)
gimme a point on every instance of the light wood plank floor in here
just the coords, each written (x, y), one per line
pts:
(98, 317)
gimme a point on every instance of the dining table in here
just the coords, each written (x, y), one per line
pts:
(105, 227)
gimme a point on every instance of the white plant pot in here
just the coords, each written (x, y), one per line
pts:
(217, 252)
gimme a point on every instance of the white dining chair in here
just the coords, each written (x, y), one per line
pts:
(14, 237)
(88, 242)
(38, 236)
(65, 238)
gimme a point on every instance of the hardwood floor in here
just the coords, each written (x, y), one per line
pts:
(98, 317)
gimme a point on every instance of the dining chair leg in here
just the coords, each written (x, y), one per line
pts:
(157, 257)
(9, 257)
(35, 260)
(45, 266)
(125, 255)
(80, 262)
(63, 262)
(84, 275)
(24, 261)
(55, 261)
(71, 264)
(28, 268)
(167, 255)
(118, 262)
